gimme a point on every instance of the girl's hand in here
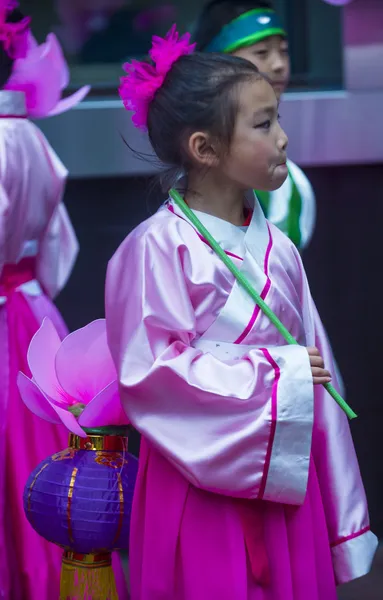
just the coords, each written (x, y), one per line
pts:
(320, 374)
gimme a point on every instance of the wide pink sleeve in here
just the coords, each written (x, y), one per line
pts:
(59, 247)
(58, 253)
(353, 544)
(215, 420)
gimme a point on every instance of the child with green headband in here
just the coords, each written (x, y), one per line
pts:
(252, 30)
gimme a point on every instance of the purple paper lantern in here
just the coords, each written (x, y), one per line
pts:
(81, 500)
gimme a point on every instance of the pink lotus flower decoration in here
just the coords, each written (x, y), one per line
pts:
(74, 381)
(43, 75)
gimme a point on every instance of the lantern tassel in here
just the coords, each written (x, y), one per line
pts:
(87, 577)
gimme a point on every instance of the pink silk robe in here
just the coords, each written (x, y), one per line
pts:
(230, 419)
(34, 227)
(38, 248)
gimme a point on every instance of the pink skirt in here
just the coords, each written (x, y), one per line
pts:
(29, 565)
(187, 544)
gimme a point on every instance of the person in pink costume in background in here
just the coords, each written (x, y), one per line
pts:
(248, 485)
(38, 249)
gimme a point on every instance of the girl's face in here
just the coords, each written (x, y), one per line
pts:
(257, 155)
(271, 57)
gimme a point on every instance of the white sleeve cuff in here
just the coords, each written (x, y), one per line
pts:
(352, 557)
(289, 462)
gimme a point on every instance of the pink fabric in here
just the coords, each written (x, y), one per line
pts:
(143, 80)
(30, 195)
(36, 241)
(201, 547)
(13, 276)
(254, 316)
(352, 536)
(264, 293)
(32, 184)
(213, 424)
(252, 519)
(331, 437)
(29, 566)
(274, 405)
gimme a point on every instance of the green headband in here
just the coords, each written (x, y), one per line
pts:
(247, 29)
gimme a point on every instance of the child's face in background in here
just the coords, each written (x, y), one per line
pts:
(257, 155)
(271, 57)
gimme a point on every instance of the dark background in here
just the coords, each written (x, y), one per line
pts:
(343, 262)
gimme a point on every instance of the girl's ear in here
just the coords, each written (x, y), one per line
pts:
(202, 150)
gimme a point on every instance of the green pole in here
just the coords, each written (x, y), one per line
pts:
(251, 291)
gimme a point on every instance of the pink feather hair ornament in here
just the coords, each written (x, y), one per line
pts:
(13, 36)
(143, 80)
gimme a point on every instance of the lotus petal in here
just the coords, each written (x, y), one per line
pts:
(84, 365)
(35, 400)
(105, 409)
(41, 360)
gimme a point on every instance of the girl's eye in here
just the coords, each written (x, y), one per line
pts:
(265, 125)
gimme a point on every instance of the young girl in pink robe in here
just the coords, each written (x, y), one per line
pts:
(248, 486)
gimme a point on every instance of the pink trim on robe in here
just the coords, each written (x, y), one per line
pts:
(352, 536)
(14, 276)
(264, 293)
(274, 412)
(13, 117)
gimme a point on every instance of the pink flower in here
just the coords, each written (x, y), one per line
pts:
(73, 377)
(138, 88)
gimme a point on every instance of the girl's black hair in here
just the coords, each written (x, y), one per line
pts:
(218, 13)
(6, 63)
(200, 93)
